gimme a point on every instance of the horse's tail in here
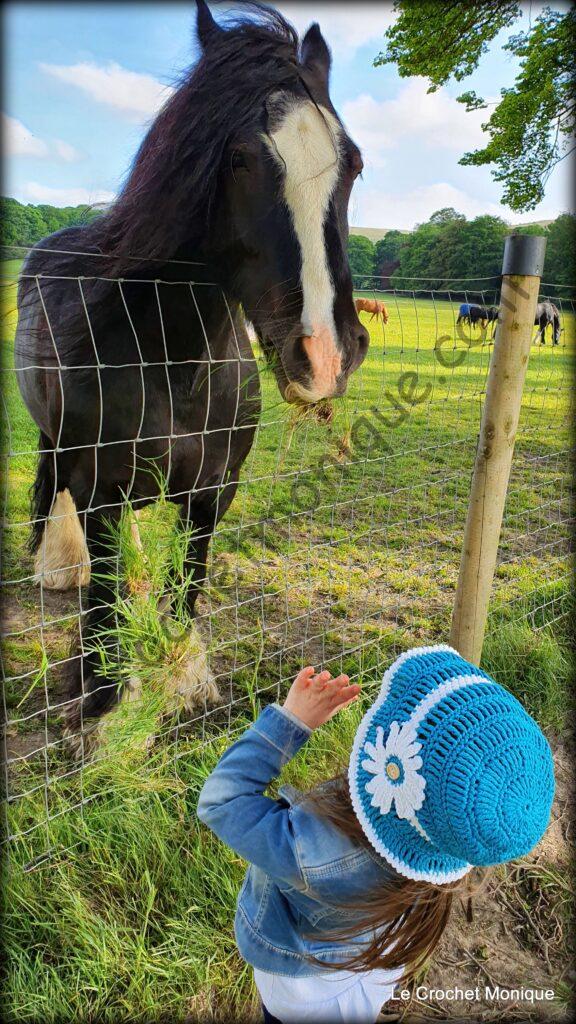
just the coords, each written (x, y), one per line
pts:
(43, 491)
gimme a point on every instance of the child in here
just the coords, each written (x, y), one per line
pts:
(350, 885)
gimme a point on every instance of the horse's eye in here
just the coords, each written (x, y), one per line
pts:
(356, 164)
(238, 160)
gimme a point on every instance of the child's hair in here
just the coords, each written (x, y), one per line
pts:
(408, 917)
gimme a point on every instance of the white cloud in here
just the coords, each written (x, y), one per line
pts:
(34, 192)
(17, 140)
(346, 27)
(378, 208)
(66, 152)
(433, 119)
(135, 95)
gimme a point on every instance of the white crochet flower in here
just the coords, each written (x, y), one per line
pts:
(395, 765)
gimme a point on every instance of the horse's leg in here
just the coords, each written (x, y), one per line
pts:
(193, 681)
(90, 693)
(196, 683)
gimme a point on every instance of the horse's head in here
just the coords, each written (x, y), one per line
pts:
(282, 226)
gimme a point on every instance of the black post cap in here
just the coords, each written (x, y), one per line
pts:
(524, 254)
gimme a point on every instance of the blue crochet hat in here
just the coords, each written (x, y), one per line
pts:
(448, 770)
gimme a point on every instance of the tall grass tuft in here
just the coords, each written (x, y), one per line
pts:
(153, 636)
(535, 665)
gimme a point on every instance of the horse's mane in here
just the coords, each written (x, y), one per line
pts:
(165, 206)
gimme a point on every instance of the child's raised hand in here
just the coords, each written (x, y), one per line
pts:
(315, 698)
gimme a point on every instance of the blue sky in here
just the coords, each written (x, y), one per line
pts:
(82, 81)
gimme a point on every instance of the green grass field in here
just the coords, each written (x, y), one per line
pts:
(342, 549)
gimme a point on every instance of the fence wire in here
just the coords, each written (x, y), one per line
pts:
(340, 549)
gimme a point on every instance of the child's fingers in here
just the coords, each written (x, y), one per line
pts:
(305, 675)
(319, 681)
(346, 693)
(346, 703)
(341, 680)
(338, 684)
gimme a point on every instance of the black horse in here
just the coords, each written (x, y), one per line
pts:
(131, 349)
(547, 315)
(492, 313)
(473, 315)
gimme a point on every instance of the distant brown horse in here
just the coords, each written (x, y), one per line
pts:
(372, 306)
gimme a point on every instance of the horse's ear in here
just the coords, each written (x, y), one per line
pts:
(314, 53)
(206, 27)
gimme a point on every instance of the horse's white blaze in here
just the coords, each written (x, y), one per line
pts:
(306, 145)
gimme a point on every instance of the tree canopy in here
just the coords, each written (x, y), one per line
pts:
(361, 256)
(387, 250)
(25, 225)
(560, 264)
(452, 249)
(449, 252)
(531, 129)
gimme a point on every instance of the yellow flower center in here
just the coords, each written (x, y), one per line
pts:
(392, 771)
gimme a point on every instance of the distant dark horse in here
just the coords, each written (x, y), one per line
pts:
(547, 315)
(127, 367)
(472, 314)
(492, 313)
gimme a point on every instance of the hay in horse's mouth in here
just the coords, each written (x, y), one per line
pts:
(321, 411)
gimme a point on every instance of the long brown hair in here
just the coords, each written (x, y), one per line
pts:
(408, 918)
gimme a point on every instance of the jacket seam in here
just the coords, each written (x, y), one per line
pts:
(335, 867)
(298, 853)
(263, 902)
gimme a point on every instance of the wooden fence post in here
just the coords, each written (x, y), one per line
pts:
(521, 272)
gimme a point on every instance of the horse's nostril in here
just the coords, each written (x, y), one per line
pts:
(363, 340)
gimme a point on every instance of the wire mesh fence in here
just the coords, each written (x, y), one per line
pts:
(340, 548)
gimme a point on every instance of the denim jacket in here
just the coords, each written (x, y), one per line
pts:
(302, 870)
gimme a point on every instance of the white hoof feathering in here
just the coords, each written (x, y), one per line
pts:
(62, 560)
(192, 682)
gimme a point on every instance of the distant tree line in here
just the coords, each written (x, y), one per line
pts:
(448, 247)
(27, 224)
